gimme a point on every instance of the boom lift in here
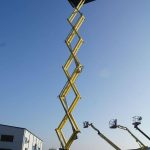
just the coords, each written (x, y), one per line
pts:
(113, 125)
(136, 122)
(75, 20)
(86, 124)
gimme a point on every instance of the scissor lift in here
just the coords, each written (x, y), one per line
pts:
(71, 77)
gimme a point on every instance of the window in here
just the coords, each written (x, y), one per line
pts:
(26, 140)
(34, 147)
(7, 138)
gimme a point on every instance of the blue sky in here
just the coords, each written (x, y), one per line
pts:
(115, 82)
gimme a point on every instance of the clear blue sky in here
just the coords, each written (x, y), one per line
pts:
(115, 82)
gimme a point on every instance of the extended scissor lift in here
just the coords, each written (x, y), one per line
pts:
(71, 77)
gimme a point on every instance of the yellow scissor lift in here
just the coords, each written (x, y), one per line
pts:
(71, 77)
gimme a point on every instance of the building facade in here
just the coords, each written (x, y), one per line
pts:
(16, 138)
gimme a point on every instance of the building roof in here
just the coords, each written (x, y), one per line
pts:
(21, 129)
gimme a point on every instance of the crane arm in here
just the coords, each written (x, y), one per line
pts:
(137, 140)
(143, 133)
(104, 137)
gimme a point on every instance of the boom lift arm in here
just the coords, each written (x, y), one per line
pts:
(136, 123)
(113, 125)
(87, 124)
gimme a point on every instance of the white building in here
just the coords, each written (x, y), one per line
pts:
(15, 138)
